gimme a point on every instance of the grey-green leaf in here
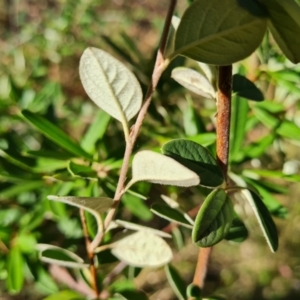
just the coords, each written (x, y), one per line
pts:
(285, 26)
(196, 158)
(213, 220)
(237, 232)
(220, 32)
(110, 84)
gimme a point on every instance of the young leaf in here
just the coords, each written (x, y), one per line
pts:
(196, 158)
(170, 214)
(60, 256)
(157, 168)
(176, 282)
(110, 84)
(143, 249)
(245, 88)
(220, 33)
(55, 134)
(15, 270)
(95, 206)
(194, 81)
(285, 25)
(213, 220)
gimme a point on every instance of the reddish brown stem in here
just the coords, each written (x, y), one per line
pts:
(223, 131)
(223, 117)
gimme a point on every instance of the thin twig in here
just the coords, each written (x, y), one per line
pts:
(159, 67)
(223, 131)
(90, 253)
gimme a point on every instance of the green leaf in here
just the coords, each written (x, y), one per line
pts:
(55, 134)
(137, 207)
(194, 292)
(285, 25)
(65, 295)
(95, 206)
(60, 256)
(239, 114)
(237, 232)
(194, 81)
(176, 282)
(138, 250)
(274, 207)
(110, 84)
(220, 33)
(204, 139)
(213, 220)
(245, 88)
(259, 147)
(157, 168)
(26, 242)
(95, 132)
(196, 158)
(170, 214)
(264, 219)
(82, 171)
(15, 270)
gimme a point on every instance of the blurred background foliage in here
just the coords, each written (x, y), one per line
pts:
(40, 46)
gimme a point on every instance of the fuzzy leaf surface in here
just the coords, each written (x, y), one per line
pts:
(143, 249)
(157, 168)
(196, 158)
(110, 84)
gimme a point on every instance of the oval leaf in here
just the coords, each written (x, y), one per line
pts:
(110, 84)
(213, 220)
(95, 206)
(196, 158)
(60, 256)
(170, 214)
(194, 81)
(157, 168)
(285, 26)
(143, 249)
(65, 295)
(220, 32)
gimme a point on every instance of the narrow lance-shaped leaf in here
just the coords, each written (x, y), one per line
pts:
(60, 256)
(220, 32)
(110, 84)
(170, 214)
(213, 220)
(176, 282)
(285, 26)
(93, 205)
(196, 158)
(157, 168)
(55, 134)
(143, 249)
